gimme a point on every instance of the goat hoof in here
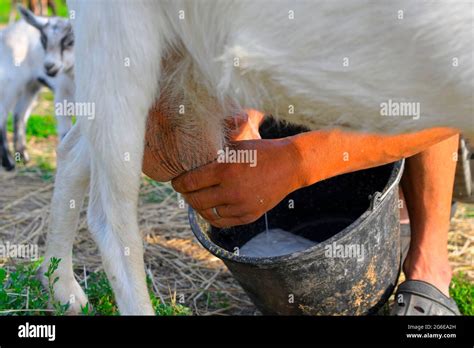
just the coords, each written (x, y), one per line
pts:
(9, 166)
(66, 290)
(25, 157)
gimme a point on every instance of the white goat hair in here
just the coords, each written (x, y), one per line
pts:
(23, 63)
(314, 63)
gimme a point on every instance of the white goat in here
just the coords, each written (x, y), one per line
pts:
(34, 52)
(315, 63)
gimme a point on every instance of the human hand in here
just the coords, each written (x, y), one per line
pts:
(242, 193)
(161, 158)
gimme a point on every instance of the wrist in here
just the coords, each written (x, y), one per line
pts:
(297, 169)
(315, 153)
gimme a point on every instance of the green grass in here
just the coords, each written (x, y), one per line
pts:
(48, 95)
(216, 299)
(462, 291)
(41, 124)
(21, 293)
(38, 126)
(46, 168)
(5, 6)
(4, 11)
(469, 213)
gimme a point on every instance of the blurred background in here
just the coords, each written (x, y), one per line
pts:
(41, 129)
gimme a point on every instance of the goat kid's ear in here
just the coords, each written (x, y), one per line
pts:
(29, 17)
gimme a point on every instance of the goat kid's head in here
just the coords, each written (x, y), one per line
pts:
(57, 39)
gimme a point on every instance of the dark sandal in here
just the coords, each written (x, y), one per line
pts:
(416, 297)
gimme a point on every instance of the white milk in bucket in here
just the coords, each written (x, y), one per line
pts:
(274, 242)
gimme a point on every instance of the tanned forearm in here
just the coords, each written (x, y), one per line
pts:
(324, 154)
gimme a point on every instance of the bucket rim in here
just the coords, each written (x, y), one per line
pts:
(375, 205)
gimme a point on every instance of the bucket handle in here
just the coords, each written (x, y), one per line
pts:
(378, 197)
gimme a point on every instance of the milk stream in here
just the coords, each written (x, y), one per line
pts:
(267, 235)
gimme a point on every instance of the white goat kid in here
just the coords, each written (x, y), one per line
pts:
(32, 52)
(315, 63)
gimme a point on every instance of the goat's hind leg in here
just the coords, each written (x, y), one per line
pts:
(72, 181)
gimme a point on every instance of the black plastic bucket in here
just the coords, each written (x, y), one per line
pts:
(354, 268)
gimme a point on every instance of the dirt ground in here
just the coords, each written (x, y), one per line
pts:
(179, 266)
